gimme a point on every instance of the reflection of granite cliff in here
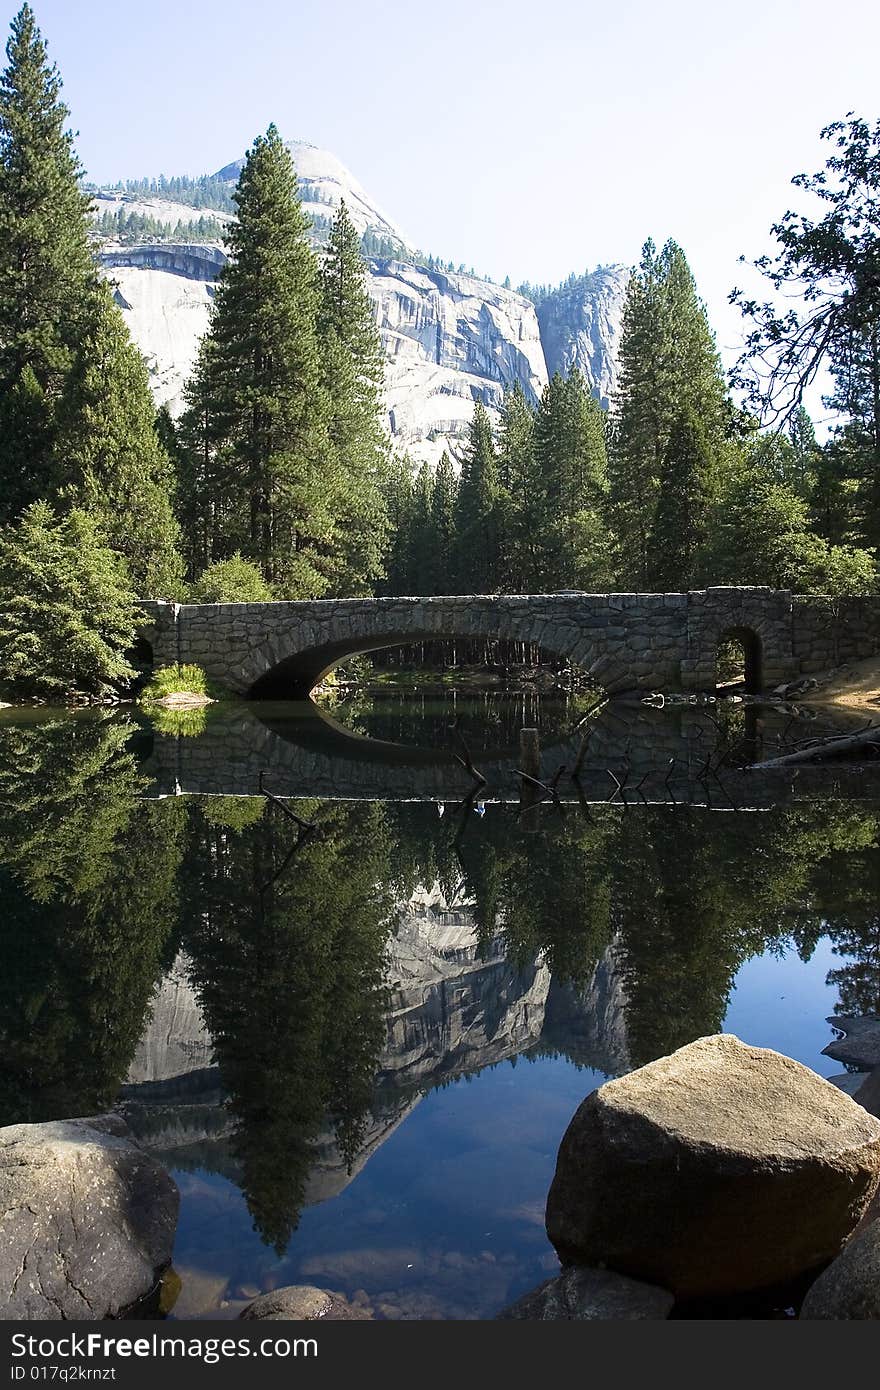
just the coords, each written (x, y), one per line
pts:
(454, 1011)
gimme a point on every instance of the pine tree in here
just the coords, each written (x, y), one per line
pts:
(354, 367)
(668, 366)
(443, 525)
(108, 443)
(67, 613)
(477, 564)
(77, 421)
(569, 447)
(422, 555)
(522, 479)
(805, 450)
(46, 268)
(680, 527)
(260, 476)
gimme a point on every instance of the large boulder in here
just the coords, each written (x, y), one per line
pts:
(87, 1219)
(303, 1303)
(850, 1286)
(868, 1093)
(579, 1294)
(719, 1169)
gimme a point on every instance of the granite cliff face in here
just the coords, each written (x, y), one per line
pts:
(580, 327)
(449, 339)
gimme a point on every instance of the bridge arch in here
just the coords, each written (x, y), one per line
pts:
(296, 675)
(749, 640)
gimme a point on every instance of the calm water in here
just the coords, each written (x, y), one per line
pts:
(351, 999)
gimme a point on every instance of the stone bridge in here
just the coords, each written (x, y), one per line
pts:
(623, 641)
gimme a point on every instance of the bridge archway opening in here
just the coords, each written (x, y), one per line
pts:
(142, 659)
(489, 660)
(739, 660)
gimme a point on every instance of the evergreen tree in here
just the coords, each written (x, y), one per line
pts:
(804, 450)
(443, 498)
(260, 476)
(668, 367)
(46, 267)
(398, 491)
(477, 566)
(523, 481)
(108, 443)
(76, 415)
(354, 371)
(680, 527)
(759, 530)
(572, 481)
(67, 615)
(230, 581)
(422, 563)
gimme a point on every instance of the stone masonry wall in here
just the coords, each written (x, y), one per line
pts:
(624, 641)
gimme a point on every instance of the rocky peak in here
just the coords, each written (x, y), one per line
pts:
(324, 182)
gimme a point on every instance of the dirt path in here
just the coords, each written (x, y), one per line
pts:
(855, 686)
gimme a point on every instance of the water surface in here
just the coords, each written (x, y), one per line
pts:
(351, 997)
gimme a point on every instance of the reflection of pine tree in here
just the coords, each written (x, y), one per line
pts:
(288, 949)
(852, 882)
(858, 982)
(696, 895)
(87, 882)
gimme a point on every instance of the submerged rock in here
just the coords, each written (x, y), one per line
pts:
(860, 1045)
(850, 1286)
(720, 1168)
(579, 1294)
(303, 1303)
(87, 1219)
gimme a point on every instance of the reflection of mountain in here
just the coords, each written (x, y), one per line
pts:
(454, 1010)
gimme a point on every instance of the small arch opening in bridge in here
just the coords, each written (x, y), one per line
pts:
(739, 661)
(142, 659)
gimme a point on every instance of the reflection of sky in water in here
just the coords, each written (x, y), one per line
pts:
(447, 1217)
(782, 1002)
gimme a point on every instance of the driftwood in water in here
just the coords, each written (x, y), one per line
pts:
(467, 761)
(825, 749)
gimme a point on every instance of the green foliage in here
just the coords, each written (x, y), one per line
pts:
(230, 581)
(206, 191)
(669, 368)
(67, 612)
(46, 269)
(828, 267)
(175, 680)
(259, 474)
(760, 534)
(566, 510)
(119, 471)
(478, 512)
(235, 813)
(130, 228)
(680, 528)
(354, 369)
(76, 415)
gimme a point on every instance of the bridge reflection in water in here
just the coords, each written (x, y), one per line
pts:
(656, 756)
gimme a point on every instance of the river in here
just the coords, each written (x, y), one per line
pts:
(351, 996)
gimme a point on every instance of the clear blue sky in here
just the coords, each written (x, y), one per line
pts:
(525, 138)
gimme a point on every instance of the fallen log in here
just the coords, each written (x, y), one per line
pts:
(825, 749)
